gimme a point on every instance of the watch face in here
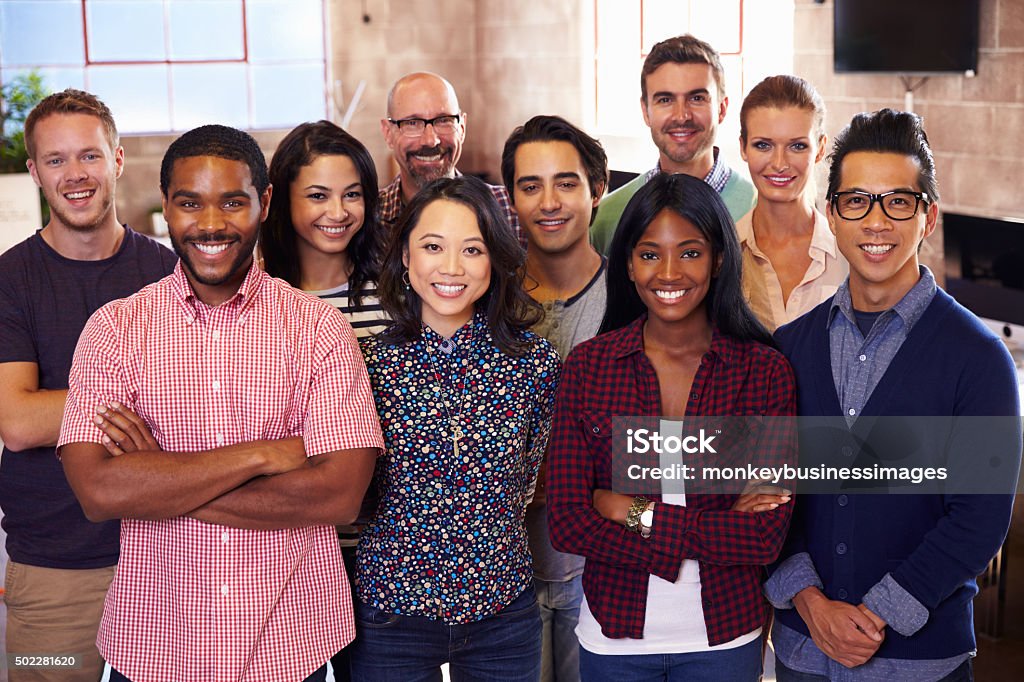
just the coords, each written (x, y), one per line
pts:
(647, 517)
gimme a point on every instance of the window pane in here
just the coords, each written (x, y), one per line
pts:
(284, 96)
(207, 29)
(125, 30)
(718, 23)
(137, 95)
(618, 28)
(618, 64)
(40, 33)
(54, 79)
(285, 29)
(664, 19)
(209, 93)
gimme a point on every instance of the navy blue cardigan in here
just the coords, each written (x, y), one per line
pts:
(933, 545)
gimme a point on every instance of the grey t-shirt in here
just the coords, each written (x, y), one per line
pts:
(566, 324)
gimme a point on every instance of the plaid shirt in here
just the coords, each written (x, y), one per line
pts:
(199, 601)
(390, 205)
(611, 376)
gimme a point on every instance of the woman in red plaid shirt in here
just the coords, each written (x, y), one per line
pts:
(672, 584)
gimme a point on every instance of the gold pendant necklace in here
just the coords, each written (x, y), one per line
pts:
(453, 419)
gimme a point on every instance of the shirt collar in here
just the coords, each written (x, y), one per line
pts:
(476, 328)
(717, 177)
(241, 301)
(910, 308)
(822, 240)
(631, 341)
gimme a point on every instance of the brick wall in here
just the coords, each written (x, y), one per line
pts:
(975, 125)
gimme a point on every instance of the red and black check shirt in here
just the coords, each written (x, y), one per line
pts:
(611, 376)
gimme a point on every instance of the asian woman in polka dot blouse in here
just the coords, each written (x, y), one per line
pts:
(465, 395)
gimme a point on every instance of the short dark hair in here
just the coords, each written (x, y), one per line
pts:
(783, 91)
(219, 141)
(885, 131)
(697, 202)
(70, 101)
(557, 129)
(684, 49)
(510, 311)
(300, 148)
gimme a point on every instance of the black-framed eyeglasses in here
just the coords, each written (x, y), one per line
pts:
(414, 127)
(897, 205)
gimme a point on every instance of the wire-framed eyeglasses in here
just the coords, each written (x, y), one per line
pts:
(414, 127)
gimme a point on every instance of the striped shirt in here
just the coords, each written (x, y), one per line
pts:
(368, 318)
(195, 601)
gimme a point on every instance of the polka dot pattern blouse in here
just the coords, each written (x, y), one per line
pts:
(465, 428)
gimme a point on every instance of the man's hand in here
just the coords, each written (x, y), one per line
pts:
(845, 633)
(879, 623)
(123, 430)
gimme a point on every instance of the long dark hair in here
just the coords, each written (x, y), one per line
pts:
(510, 311)
(300, 148)
(694, 200)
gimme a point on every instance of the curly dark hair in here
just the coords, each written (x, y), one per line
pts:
(219, 141)
(300, 148)
(509, 309)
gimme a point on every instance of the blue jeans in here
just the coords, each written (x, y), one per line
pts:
(736, 665)
(393, 648)
(559, 612)
(962, 673)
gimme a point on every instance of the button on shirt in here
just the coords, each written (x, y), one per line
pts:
(199, 601)
(854, 375)
(448, 541)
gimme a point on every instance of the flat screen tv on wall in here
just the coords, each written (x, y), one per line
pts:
(985, 269)
(906, 36)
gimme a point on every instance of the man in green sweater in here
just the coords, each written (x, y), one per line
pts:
(683, 100)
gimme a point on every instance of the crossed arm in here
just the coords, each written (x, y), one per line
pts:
(29, 416)
(265, 484)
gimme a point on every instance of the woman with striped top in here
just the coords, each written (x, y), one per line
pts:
(321, 234)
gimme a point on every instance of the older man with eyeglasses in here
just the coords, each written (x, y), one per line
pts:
(424, 129)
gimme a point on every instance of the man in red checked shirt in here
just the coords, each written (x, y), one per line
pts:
(264, 437)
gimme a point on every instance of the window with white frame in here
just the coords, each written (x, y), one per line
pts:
(170, 65)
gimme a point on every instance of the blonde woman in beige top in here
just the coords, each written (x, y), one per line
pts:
(790, 259)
